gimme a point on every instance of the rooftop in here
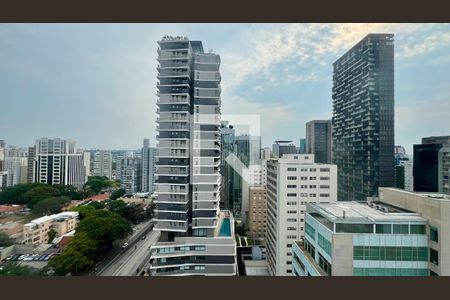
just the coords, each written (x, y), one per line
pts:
(436, 196)
(348, 212)
(66, 214)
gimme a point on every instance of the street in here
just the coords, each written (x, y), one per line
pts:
(135, 256)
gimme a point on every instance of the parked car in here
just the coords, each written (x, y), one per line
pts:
(144, 237)
(124, 245)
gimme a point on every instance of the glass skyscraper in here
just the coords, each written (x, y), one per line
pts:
(363, 117)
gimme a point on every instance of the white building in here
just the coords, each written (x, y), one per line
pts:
(36, 231)
(57, 162)
(102, 164)
(17, 170)
(292, 182)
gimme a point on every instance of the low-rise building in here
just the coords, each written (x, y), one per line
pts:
(36, 231)
(435, 208)
(361, 239)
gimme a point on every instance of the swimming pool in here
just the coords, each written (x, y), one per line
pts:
(225, 229)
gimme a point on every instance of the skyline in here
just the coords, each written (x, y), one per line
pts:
(105, 75)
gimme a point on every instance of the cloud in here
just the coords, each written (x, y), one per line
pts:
(256, 51)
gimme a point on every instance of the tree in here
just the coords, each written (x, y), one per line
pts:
(39, 193)
(134, 212)
(5, 240)
(117, 206)
(12, 269)
(97, 183)
(104, 227)
(51, 235)
(83, 210)
(15, 194)
(117, 194)
(97, 205)
(79, 255)
(50, 206)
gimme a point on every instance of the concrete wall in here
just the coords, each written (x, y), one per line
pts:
(342, 255)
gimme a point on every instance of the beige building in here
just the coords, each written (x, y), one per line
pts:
(436, 209)
(36, 231)
(257, 212)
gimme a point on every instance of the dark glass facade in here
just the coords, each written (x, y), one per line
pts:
(318, 140)
(363, 118)
(425, 169)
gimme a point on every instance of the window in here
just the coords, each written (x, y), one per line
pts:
(434, 234)
(292, 177)
(324, 244)
(434, 257)
(312, 170)
(292, 194)
(312, 178)
(324, 169)
(324, 178)
(291, 186)
(390, 253)
(324, 195)
(400, 229)
(292, 220)
(310, 231)
(313, 186)
(291, 203)
(416, 229)
(292, 169)
(354, 228)
(383, 228)
(324, 186)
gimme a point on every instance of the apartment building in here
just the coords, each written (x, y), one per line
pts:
(196, 237)
(130, 174)
(361, 239)
(102, 164)
(292, 182)
(363, 117)
(36, 231)
(257, 212)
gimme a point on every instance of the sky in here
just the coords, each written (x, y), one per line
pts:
(96, 83)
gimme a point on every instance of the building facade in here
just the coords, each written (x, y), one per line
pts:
(403, 170)
(302, 146)
(361, 239)
(130, 174)
(36, 231)
(148, 167)
(279, 148)
(57, 162)
(435, 208)
(292, 182)
(432, 165)
(363, 117)
(196, 237)
(228, 195)
(318, 140)
(257, 212)
(102, 164)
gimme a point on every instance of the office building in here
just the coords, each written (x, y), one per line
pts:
(435, 208)
(257, 212)
(279, 148)
(17, 170)
(432, 165)
(403, 169)
(266, 153)
(148, 167)
(57, 162)
(31, 165)
(363, 117)
(292, 182)
(196, 237)
(36, 231)
(130, 174)
(318, 140)
(361, 239)
(228, 193)
(86, 163)
(302, 146)
(102, 165)
(3, 180)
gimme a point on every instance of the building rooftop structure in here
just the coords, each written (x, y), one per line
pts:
(437, 196)
(357, 212)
